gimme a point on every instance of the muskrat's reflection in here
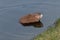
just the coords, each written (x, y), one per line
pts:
(35, 24)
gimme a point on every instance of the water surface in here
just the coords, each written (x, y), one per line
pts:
(12, 10)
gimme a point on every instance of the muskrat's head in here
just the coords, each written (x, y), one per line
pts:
(38, 15)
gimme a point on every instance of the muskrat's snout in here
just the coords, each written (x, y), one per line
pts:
(39, 16)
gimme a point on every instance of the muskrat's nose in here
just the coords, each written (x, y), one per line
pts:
(41, 15)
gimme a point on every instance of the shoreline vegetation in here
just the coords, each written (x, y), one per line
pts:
(52, 33)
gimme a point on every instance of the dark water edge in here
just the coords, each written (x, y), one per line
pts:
(12, 10)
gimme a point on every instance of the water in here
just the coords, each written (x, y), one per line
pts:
(12, 10)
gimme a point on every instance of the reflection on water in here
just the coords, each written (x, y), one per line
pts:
(34, 24)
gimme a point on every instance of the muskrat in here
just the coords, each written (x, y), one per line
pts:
(29, 18)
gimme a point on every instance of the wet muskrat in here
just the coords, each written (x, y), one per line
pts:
(29, 18)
